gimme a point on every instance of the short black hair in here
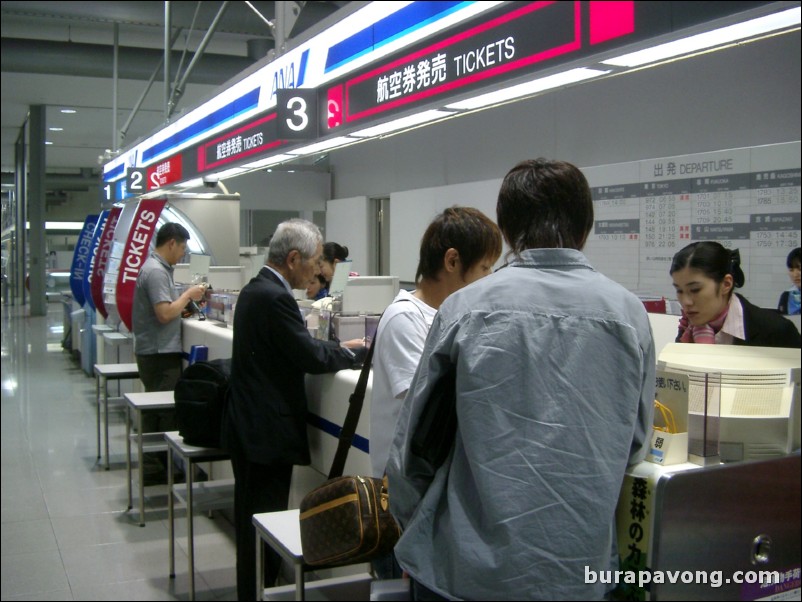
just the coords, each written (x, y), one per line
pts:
(171, 231)
(544, 204)
(333, 250)
(794, 256)
(712, 259)
(468, 230)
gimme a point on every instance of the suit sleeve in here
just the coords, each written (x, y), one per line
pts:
(310, 355)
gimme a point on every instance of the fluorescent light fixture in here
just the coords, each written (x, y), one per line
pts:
(190, 183)
(64, 225)
(54, 129)
(229, 173)
(539, 85)
(60, 226)
(68, 111)
(48, 143)
(702, 41)
(318, 147)
(269, 161)
(400, 124)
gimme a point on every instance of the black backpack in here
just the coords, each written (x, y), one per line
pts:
(200, 396)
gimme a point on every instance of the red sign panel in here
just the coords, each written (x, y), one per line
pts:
(164, 173)
(102, 259)
(136, 250)
(246, 140)
(508, 44)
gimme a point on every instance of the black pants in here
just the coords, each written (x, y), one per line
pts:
(257, 488)
(159, 372)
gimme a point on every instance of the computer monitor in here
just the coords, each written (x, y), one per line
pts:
(759, 395)
(340, 278)
(371, 327)
(369, 294)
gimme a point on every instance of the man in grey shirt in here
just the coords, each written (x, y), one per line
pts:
(157, 325)
(555, 385)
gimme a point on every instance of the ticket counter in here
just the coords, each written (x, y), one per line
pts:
(328, 396)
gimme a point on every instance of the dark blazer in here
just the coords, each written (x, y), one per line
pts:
(271, 353)
(782, 305)
(765, 328)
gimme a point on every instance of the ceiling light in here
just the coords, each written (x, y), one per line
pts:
(399, 124)
(190, 183)
(717, 37)
(78, 226)
(269, 161)
(48, 143)
(68, 111)
(318, 147)
(525, 89)
(229, 173)
(55, 129)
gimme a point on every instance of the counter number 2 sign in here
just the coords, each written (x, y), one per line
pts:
(136, 180)
(297, 113)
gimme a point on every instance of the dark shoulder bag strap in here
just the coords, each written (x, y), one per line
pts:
(354, 410)
(352, 417)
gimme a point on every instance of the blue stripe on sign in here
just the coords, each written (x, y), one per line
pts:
(334, 430)
(392, 27)
(247, 101)
(302, 68)
(114, 172)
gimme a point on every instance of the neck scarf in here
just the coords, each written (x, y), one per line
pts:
(706, 333)
(794, 301)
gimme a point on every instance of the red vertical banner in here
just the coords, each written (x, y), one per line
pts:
(135, 253)
(102, 259)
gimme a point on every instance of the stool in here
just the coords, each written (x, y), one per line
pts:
(105, 373)
(211, 495)
(282, 531)
(145, 442)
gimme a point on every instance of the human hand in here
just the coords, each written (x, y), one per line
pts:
(354, 343)
(197, 291)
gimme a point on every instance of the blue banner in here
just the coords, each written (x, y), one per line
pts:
(87, 285)
(80, 259)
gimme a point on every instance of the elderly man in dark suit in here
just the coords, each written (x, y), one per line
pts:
(264, 425)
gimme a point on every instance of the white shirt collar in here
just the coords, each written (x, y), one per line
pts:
(733, 327)
(282, 278)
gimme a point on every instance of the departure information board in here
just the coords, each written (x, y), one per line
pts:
(746, 199)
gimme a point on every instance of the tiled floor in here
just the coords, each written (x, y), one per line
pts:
(66, 534)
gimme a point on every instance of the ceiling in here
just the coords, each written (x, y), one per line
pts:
(60, 55)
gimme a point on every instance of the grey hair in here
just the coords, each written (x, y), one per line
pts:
(294, 235)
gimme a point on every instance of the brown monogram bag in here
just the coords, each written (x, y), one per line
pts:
(347, 520)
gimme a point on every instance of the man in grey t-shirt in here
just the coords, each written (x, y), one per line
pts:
(157, 326)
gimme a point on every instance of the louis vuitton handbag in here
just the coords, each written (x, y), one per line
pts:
(347, 519)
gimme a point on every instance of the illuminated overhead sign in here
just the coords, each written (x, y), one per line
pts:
(354, 41)
(164, 173)
(395, 59)
(496, 47)
(240, 142)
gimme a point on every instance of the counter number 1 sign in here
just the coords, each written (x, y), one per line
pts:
(296, 110)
